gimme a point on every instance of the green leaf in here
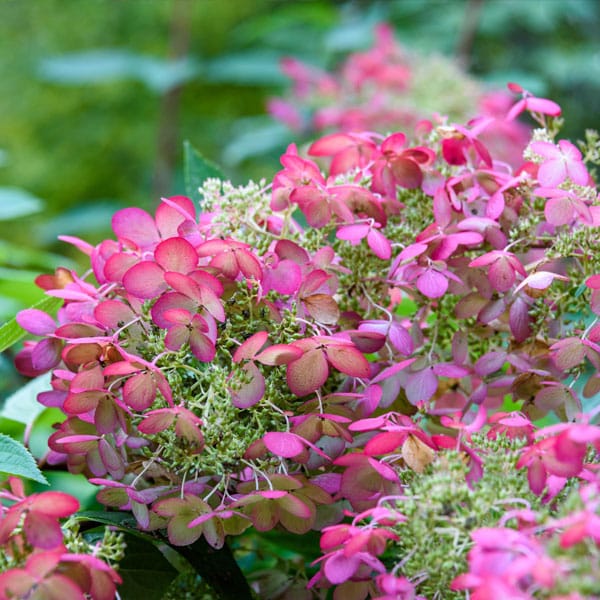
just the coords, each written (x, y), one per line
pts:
(105, 65)
(15, 202)
(15, 459)
(145, 571)
(255, 137)
(11, 332)
(197, 170)
(15, 255)
(253, 67)
(22, 406)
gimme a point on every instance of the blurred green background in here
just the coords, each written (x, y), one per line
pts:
(98, 95)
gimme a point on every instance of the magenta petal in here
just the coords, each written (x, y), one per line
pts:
(285, 278)
(46, 354)
(381, 246)
(286, 445)
(432, 284)
(384, 443)
(252, 392)
(135, 225)
(36, 321)
(176, 254)
(340, 567)
(421, 386)
(501, 275)
(144, 280)
(353, 233)
(536, 475)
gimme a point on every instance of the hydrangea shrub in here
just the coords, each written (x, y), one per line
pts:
(394, 344)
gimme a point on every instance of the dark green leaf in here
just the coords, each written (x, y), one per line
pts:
(11, 332)
(146, 573)
(15, 459)
(120, 519)
(197, 170)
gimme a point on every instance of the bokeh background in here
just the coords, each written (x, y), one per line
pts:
(97, 96)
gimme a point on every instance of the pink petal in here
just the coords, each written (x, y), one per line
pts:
(202, 346)
(339, 567)
(144, 280)
(384, 443)
(432, 283)
(286, 445)
(117, 265)
(46, 354)
(353, 233)
(279, 354)
(135, 225)
(251, 346)
(348, 360)
(176, 254)
(501, 275)
(170, 215)
(552, 173)
(176, 337)
(55, 504)
(156, 420)
(169, 301)
(249, 264)
(407, 173)
(308, 373)
(322, 308)
(252, 392)
(36, 321)
(381, 246)
(42, 531)
(285, 278)
(139, 391)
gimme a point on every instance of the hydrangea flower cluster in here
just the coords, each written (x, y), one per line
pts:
(38, 559)
(340, 348)
(387, 88)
